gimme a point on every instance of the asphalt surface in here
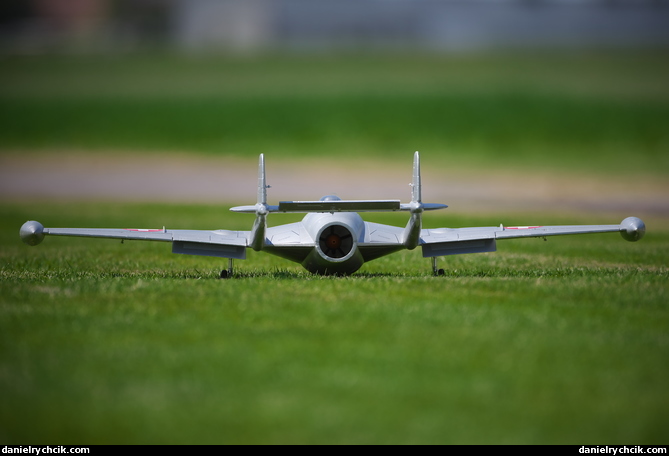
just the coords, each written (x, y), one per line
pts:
(185, 179)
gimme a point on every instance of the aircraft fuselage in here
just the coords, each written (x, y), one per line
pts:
(336, 237)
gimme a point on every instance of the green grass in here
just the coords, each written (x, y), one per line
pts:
(562, 341)
(604, 113)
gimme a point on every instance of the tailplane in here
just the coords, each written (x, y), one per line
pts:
(331, 204)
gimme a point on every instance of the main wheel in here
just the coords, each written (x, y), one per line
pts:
(224, 274)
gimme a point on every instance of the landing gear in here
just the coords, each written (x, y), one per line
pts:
(227, 273)
(437, 272)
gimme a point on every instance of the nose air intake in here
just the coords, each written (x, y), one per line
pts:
(335, 241)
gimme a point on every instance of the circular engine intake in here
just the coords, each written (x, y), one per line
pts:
(335, 241)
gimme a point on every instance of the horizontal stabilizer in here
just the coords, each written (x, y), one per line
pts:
(424, 206)
(340, 206)
(253, 209)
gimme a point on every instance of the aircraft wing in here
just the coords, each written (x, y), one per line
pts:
(452, 241)
(219, 243)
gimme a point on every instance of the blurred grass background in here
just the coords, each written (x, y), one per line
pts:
(603, 112)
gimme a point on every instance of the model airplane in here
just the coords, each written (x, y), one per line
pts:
(333, 239)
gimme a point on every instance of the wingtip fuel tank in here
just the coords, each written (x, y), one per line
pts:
(632, 229)
(32, 232)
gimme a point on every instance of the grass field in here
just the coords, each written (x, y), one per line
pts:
(541, 342)
(564, 341)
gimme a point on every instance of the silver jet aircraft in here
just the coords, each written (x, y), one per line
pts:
(333, 239)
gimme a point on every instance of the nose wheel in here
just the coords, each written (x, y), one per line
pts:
(435, 270)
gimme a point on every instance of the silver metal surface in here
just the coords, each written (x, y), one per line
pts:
(32, 232)
(632, 229)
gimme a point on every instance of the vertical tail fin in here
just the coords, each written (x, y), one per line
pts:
(415, 184)
(262, 182)
(412, 230)
(257, 240)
